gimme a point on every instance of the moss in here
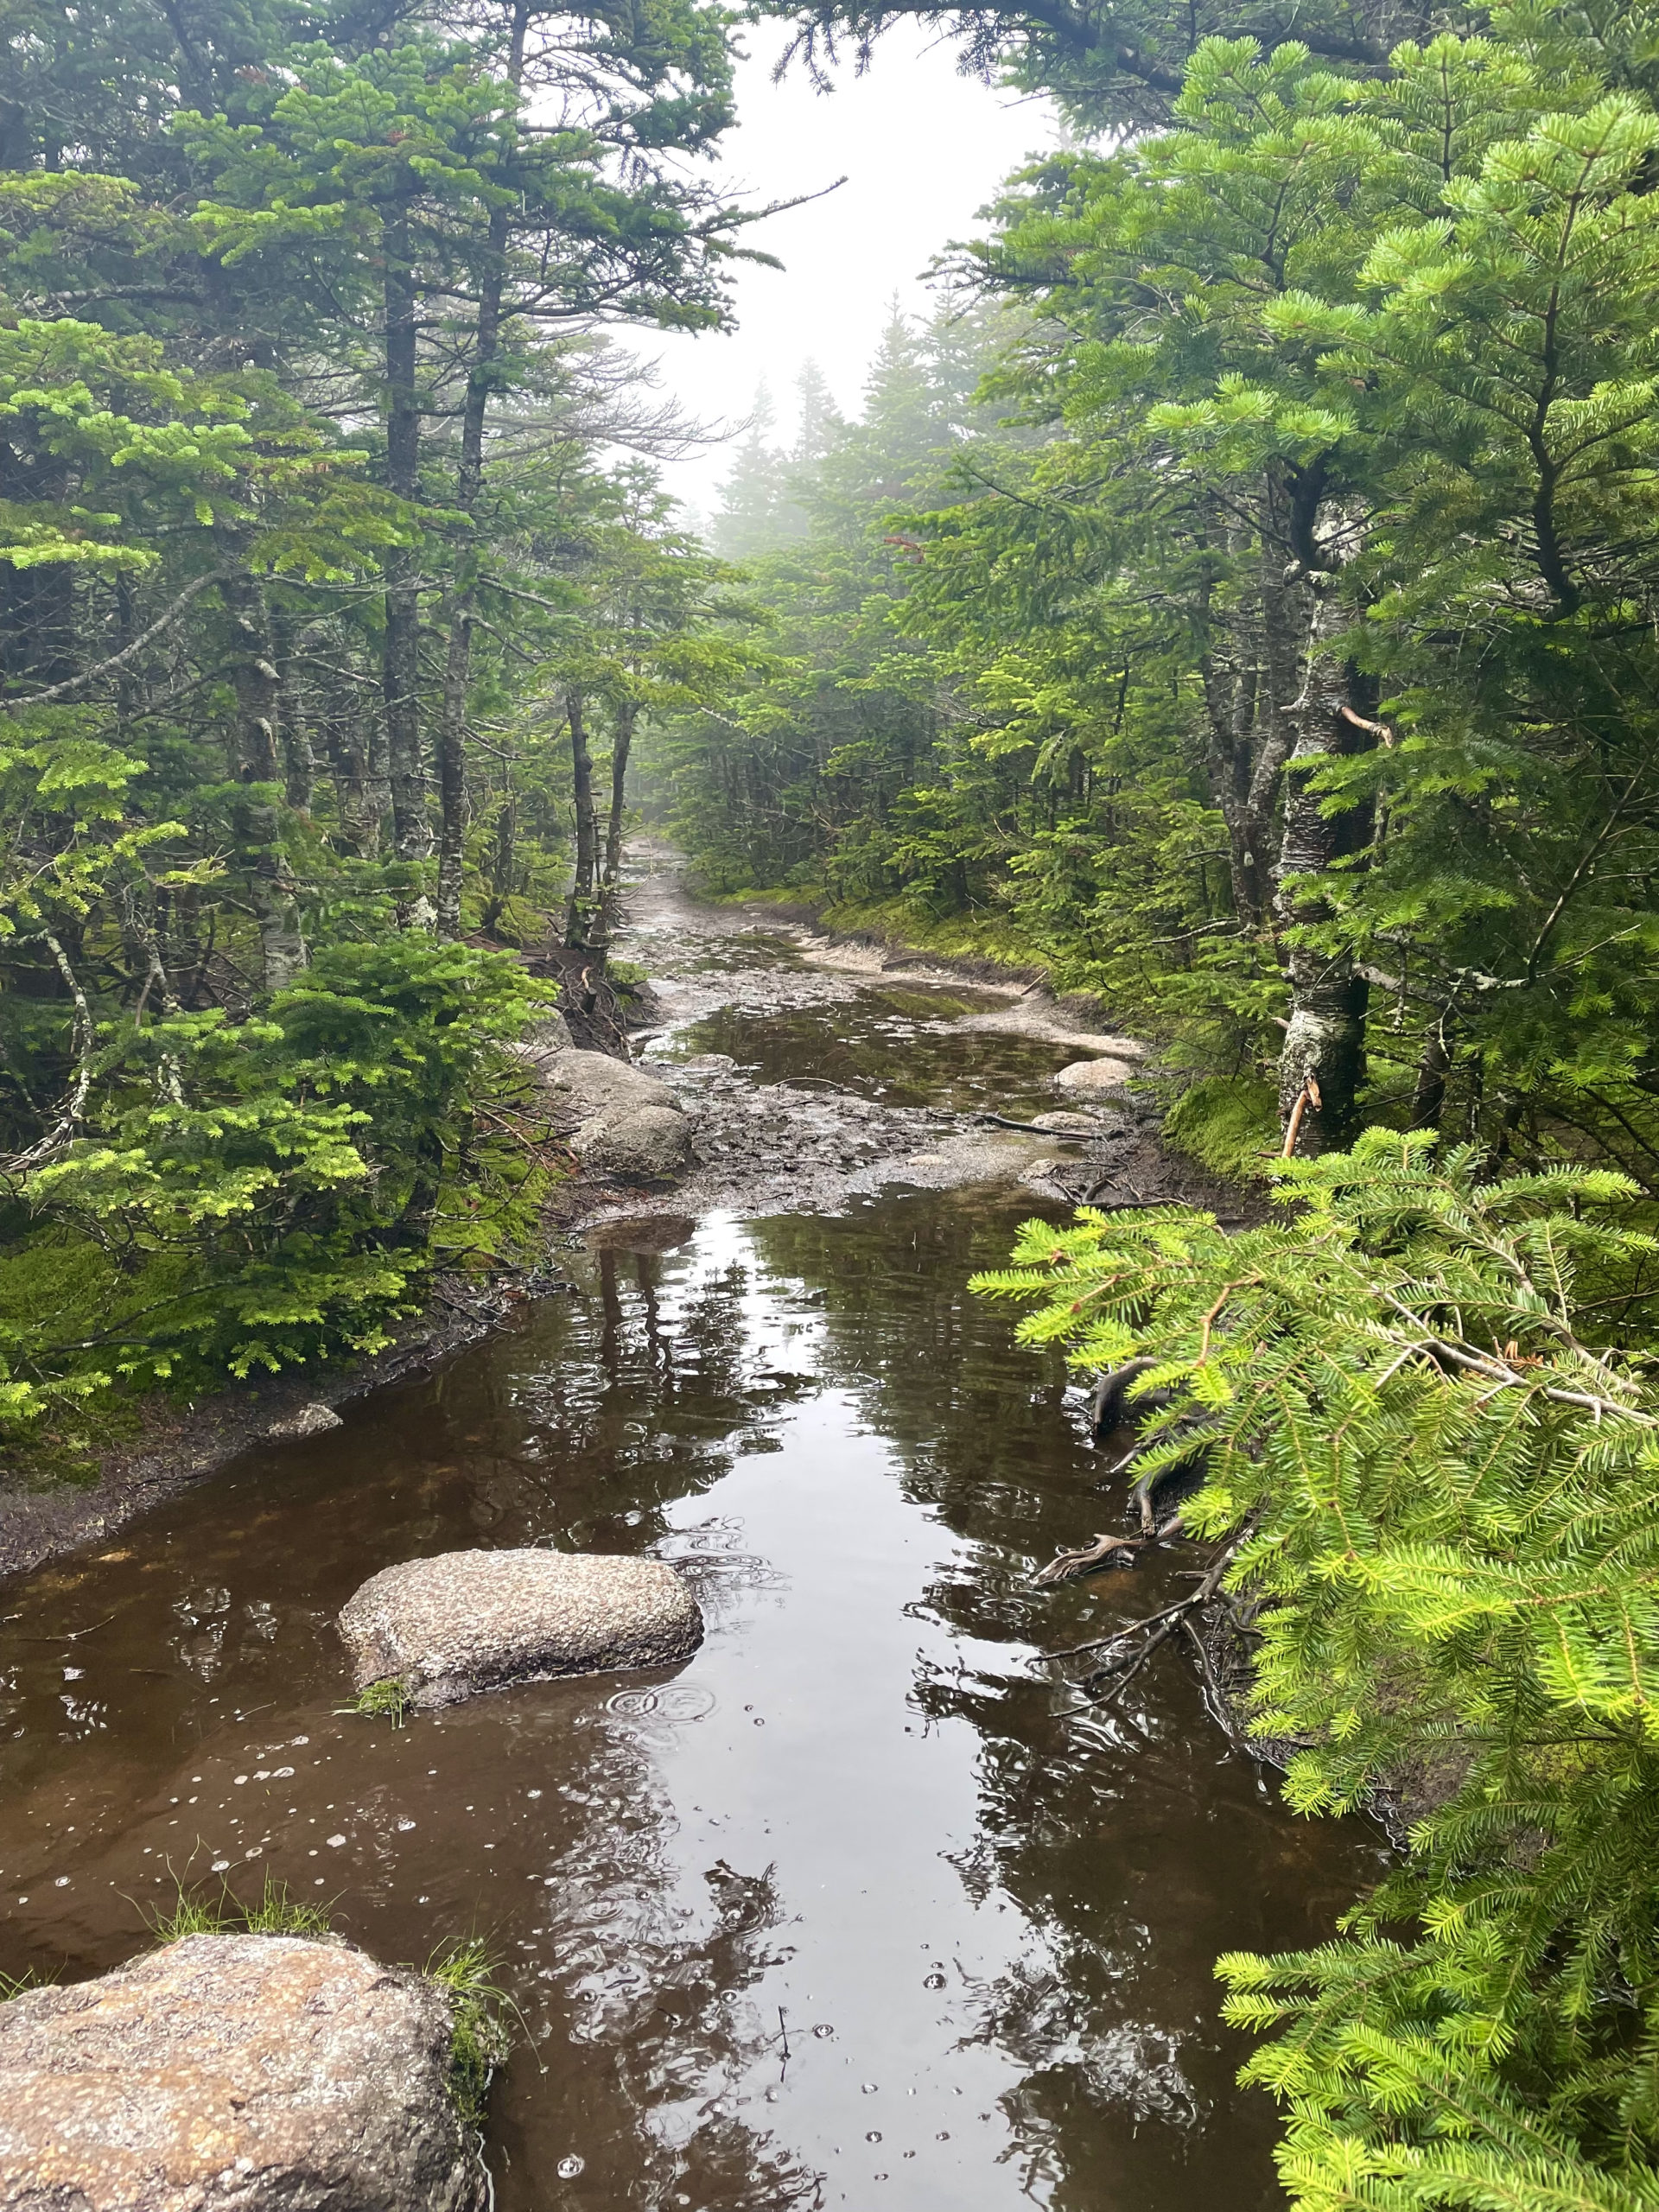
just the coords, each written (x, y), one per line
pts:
(1229, 1122)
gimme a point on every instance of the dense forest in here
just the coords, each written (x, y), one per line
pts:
(323, 593)
(1240, 601)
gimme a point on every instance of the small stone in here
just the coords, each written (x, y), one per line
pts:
(1068, 1122)
(449, 1627)
(313, 1419)
(234, 2074)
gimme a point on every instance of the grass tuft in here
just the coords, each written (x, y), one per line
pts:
(197, 1912)
(479, 2042)
(390, 1700)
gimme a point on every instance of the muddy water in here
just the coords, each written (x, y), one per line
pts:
(859, 1907)
(894, 1045)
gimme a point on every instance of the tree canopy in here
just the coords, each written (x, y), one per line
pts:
(305, 412)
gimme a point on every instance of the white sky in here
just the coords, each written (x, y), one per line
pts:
(922, 149)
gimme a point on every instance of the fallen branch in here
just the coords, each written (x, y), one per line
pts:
(1127, 1661)
(1215, 1698)
(1031, 1128)
(1123, 1205)
(1307, 1096)
(84, 1041)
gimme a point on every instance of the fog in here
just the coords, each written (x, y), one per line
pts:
(922, 149)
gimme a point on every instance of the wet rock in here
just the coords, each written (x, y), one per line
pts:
(1068, 1122)
(1088, 1076)
(1040, 1173)
(603, 1085)
(234, 2074)
(449, 1627)
(640, 1143)
(313, 1419)
(552, 1033)
(701, 1066)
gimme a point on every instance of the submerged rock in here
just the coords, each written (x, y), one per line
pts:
(312, 1419)
(448, 1627)
(234, 2074)
(640, 1143)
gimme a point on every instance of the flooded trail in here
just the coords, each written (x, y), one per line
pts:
(857, 1908)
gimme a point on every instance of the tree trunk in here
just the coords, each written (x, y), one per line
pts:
(299, 762)
(503, 863)
(452, 769)
(400, 661)
(469, 479)
(349, 732)
(1322, 1063)
(610, 867)
(580, 915)
(1432, 1069)
(272, 891)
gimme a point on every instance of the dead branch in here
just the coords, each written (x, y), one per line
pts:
(1126, 1657)
(117, 661)
(83, 1040)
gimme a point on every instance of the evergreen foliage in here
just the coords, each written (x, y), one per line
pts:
(1267, 644)
(324, 616)
(1432, 1449)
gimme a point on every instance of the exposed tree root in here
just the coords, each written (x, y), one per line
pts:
(1066, 1566)
(1130, 1648)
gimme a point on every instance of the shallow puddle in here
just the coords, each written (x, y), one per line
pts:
(885, 1043)
(855, 1908)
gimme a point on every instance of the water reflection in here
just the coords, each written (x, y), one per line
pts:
(854, 1908)
(897, 1045)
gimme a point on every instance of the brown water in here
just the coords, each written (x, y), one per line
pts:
(857, 1908)
(890, 1044)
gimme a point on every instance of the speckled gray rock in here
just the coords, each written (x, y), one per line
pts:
(640, 1143)
(603, 1085)
(1068, 1122)
(1087, 1075)
(448, 1627)
(313, 1419)
(234, 2074)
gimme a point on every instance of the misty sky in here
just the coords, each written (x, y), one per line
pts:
(921, 147)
